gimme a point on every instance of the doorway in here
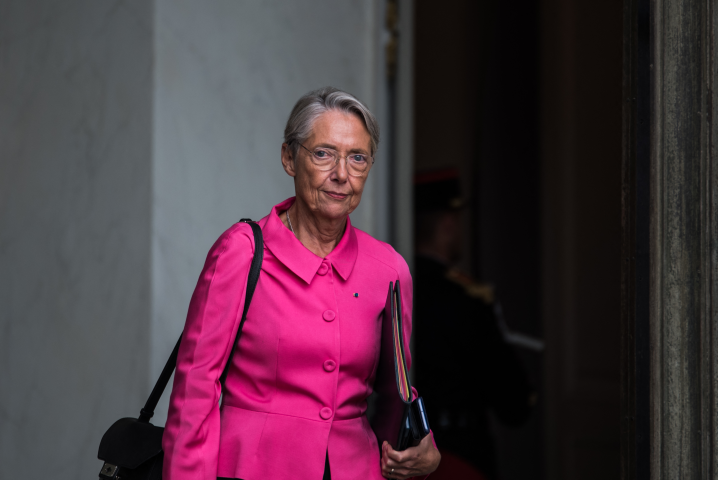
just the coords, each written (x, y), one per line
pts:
(523, 99)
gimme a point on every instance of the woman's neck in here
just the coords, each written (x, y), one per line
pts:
(319, 235)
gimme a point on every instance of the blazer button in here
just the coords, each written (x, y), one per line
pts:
(325, 413)
(329, 315)
(330, 365)
(323, 269)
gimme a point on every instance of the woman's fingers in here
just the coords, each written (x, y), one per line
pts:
(396, 472)
(394, 455)
(395, 464)
(388, 466)
(413, 461)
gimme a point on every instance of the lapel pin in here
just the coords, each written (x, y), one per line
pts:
(356, 295)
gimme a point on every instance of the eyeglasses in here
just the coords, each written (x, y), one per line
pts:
(326, 158)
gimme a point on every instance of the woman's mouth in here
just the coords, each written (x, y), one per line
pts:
(337, 196)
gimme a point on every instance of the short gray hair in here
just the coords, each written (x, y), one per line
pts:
(313, 104)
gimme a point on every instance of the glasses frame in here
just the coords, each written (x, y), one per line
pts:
(339, 157)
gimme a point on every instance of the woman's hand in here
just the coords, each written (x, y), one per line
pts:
(412, 462)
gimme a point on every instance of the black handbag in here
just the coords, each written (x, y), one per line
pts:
(132, 447)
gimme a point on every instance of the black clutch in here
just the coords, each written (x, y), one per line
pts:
(132, 447)
(398, 419)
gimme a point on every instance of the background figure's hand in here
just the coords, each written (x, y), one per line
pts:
(412, 462)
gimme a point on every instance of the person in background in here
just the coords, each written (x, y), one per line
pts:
(464, 366)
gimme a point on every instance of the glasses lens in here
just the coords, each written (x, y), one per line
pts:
(357, 165)
(324, 158)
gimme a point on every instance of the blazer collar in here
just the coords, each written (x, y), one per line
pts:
(295, 256)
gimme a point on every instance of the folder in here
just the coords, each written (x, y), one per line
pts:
(399, 418)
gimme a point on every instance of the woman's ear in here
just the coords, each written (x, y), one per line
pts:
(288, 161)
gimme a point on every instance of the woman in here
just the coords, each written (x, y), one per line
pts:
(294, 402)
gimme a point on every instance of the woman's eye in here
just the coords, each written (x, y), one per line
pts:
(358, 158)
(321, 154)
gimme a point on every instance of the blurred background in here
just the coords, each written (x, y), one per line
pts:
(132, 133)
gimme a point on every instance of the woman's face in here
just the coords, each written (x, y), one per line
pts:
(334, 193)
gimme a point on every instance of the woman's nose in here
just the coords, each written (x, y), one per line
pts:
(340, 169)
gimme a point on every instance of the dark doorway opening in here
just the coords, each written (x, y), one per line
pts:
(524, 100)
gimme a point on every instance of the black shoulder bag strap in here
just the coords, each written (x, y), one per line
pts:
(149, 409)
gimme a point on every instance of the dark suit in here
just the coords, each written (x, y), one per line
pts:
(463, 365)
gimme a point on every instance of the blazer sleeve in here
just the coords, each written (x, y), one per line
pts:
(192, 433)
(407, 299)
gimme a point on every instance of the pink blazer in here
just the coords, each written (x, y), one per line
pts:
(305, 364)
